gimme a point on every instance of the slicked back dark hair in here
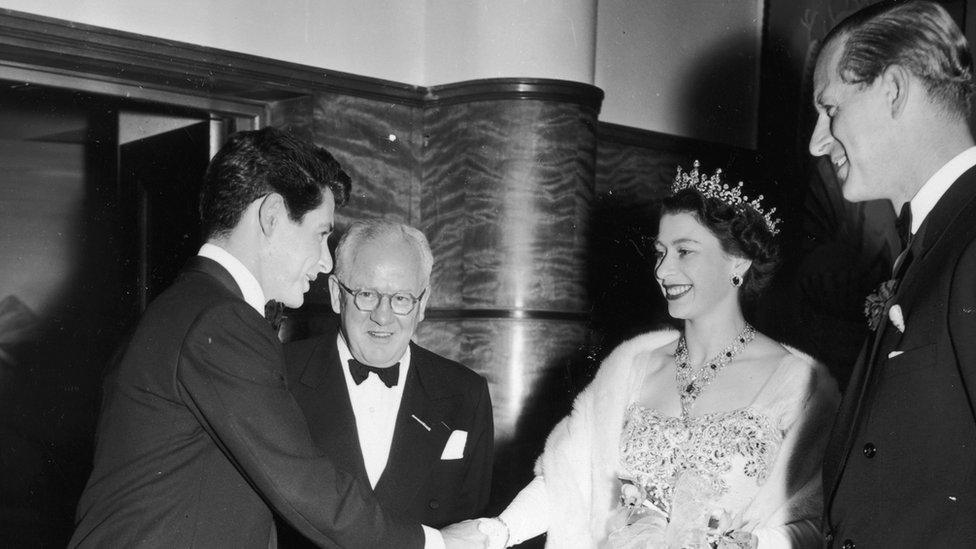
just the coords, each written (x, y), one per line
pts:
(919, 36)
(741, 232)
(255, 163)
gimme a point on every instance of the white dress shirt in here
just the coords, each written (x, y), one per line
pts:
(253, 294)
(937, 185)
(375, 406)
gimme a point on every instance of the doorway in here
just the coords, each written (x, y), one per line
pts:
(97, 213)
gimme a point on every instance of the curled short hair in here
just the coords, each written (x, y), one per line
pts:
(371, 230)
(741, 232)
(919, 36)
(255, 163)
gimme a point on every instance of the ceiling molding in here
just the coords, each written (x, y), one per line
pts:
(72, 51)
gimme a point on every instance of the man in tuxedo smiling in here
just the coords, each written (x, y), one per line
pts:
(893, 86)
(414, 426)
(199, 441)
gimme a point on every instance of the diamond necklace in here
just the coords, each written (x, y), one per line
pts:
(690, 386)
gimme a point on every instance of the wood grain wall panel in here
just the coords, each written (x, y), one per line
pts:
(635, 172)
(507, 190)
(641, 163)
(377, 143)
(508, 186)
(447, 178)
(524, 360)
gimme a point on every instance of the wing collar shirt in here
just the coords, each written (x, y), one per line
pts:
(253, 294)
(937, 185)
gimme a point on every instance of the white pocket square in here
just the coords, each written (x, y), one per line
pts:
(454, 449)
(893, 354)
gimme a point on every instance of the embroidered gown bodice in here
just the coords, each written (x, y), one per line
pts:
(733, 451)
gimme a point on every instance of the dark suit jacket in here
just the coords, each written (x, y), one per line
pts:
(199, 438)
(900, 466)
(416, 484)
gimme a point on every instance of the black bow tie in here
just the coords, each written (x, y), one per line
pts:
(274, 312)
(904, 224)
(360, 372)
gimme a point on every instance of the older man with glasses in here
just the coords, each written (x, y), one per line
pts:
(415, 426)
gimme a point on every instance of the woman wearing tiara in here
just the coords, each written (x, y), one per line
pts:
(711, 436)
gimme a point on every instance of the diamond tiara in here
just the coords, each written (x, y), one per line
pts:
(712, 187)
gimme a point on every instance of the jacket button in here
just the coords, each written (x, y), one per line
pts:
(869, 450)
(848, 544)
(828, 537)
(433, 504)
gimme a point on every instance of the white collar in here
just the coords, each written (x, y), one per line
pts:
(253, 294)
(937, 185)
(345, 355)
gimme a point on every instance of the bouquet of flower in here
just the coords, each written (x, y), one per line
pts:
(721, 533)
(641, 519)
(685, 517)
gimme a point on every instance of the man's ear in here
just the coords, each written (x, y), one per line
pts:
(335, 294)
(270, 212)
(897, 84)
(423, 304)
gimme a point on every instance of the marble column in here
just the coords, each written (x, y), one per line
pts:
(508, 169)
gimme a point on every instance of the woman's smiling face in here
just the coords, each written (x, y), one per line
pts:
(692, 269)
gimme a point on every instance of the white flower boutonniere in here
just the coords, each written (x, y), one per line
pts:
(897, 318)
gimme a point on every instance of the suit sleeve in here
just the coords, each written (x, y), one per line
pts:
(477, 481)
(962, 321)
(230, 375)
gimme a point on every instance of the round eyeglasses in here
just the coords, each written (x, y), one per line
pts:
(401, 303)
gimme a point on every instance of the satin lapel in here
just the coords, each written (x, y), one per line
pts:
(325, 399)
(415, 449)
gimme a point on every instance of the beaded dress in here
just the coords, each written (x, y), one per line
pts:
(730, 455)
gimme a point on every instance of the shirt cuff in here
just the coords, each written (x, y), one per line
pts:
(432, 538)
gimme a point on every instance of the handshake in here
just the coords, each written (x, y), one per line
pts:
(483, 533)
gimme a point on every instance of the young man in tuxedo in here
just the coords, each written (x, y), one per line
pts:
(414, 426)
(892, 88)
(199, 441)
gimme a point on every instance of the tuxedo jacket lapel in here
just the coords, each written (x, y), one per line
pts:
(415, 449)
(329, 409)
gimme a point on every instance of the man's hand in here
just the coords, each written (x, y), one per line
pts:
(464, 535)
